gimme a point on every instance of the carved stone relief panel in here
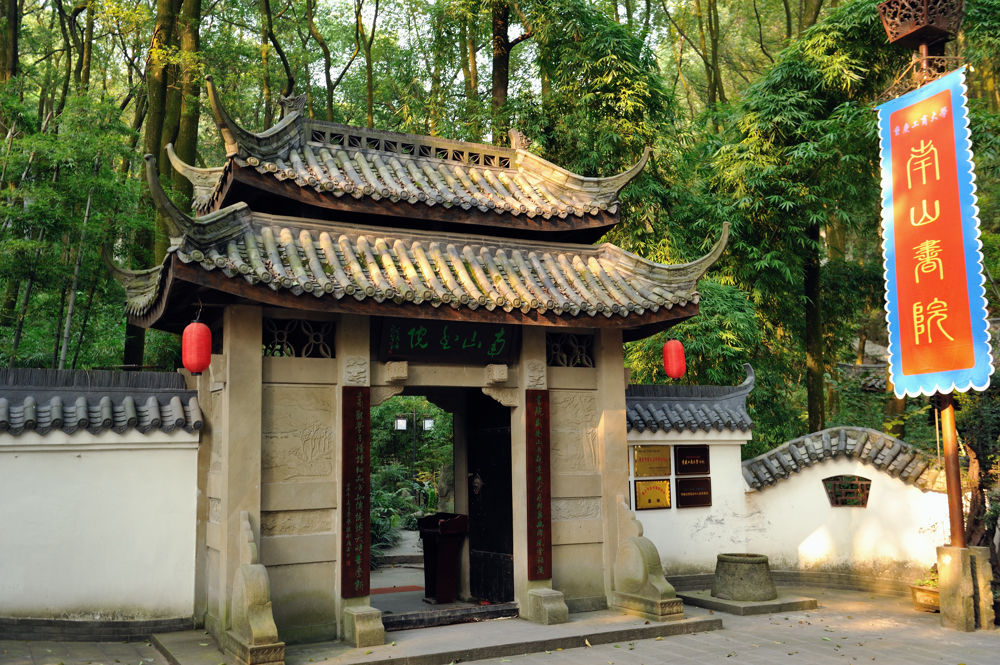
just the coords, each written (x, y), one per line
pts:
(298, 437)
(356, 370)
(573, 425)
(215, 510)
(588, 508)
(296, 522)
(535, 375)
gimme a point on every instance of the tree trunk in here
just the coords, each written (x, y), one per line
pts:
(83, 324)
(975, 520)
(327, 60)
(135, 341)
(186, 144)
(156, 98)
(814, 334)
(64, 344)
(501, 69)
(10, 15)
(88, 49)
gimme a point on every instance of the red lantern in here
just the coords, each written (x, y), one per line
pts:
(673, 359)
(196, 347)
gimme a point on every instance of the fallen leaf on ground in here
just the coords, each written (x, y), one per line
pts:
(586, 641)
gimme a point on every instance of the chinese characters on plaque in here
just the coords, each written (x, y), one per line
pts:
(651, 461)
(935, 305)
(539, 490)
(355, 493)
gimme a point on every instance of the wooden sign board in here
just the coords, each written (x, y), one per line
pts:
(691, 460)
(652, 494)
(538, 486)
(694, 492)
(445, 342)
(651, 461)
(355, 495)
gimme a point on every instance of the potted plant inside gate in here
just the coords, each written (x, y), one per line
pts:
(925, 592)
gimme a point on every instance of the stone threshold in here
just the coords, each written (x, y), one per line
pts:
(445, 617)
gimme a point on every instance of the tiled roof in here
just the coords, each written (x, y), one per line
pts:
(895, 457)
(333, 161)
(42, 401)
(345, 262)
(668, 408)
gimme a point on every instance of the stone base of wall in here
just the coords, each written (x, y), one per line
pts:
(808, 578)
(88, 630)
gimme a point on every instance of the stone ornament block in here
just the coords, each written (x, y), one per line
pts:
(397, 371)
(363, 626)
(547, 606)
(495, 375)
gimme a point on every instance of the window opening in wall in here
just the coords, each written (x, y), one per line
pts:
(297, 338)
(850, 491)
(569, 350)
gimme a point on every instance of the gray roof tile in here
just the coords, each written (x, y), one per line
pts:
(688, 408)
(895, 457)
(43, 401)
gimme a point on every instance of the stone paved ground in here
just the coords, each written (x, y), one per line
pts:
(849, 628)
(79, 653)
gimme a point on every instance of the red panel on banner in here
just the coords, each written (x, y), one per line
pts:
(934, 320)
(355, 493)
(538, 486)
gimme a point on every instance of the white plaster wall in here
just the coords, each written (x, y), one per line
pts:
(794, 524)
(94, 528)
(688, 539)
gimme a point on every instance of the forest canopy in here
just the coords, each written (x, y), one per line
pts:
(757, 113)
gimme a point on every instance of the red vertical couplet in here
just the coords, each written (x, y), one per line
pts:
(539, 488)
(935, 325)
(355, 492)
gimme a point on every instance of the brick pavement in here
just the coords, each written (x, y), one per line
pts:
(17, 652)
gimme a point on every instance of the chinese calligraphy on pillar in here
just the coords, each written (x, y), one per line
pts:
(355, 545)
(935, 304)
(539, 490)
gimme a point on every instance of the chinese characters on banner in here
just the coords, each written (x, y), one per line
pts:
(355, 493)
(539, 491)
(935, 304)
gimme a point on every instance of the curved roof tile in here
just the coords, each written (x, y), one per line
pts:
(44, 401)
(689, 408)
(897, 458)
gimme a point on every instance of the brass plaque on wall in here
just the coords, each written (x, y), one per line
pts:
(652, 494)
(691, 460)
(651, 461)
(694, 492)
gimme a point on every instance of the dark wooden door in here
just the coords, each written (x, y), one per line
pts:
(491, 533)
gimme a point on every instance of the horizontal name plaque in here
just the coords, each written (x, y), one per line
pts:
(694, 492)
(691, 460)
(651, 461)
(652, 494)
(445, 342)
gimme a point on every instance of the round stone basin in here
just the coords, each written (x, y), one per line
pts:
(744, 577)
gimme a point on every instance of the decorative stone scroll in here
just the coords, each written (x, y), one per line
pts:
(355, 546)
(356, 371)
(506, 396)
(252, 638)
(538, 486)
(382, 393)
(640, 587)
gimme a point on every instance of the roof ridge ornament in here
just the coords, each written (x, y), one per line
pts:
(201, 232)
(273, 142)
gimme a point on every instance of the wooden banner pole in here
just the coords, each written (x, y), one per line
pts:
(949, 438)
